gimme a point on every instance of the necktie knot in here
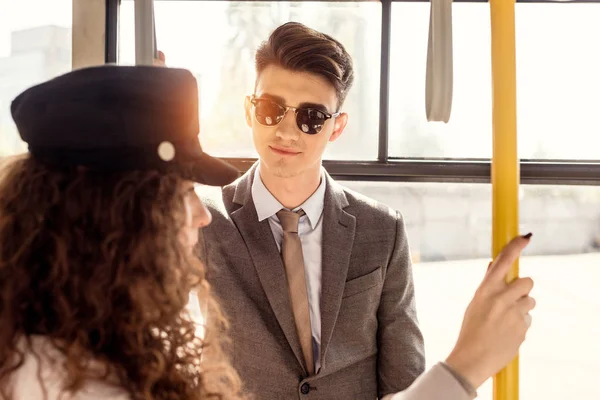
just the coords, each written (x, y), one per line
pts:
(289, 220)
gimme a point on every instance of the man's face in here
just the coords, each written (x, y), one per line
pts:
(285, 149)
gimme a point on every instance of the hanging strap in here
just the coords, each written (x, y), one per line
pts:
(439, 74)
(145, 33)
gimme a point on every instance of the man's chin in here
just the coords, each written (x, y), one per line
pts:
(284, 171)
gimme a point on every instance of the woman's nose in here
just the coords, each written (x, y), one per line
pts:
(202, 216)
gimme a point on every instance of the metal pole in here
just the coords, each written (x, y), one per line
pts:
(144, 32)
(505, 164)
(384, 86)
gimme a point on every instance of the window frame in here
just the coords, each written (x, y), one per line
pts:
(410, 169)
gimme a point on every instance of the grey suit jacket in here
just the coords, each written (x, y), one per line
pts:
(371, 344)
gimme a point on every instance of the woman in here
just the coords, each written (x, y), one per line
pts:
(97, 227)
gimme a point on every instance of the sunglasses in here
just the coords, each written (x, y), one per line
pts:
(309, 120)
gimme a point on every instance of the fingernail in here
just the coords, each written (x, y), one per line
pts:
(528, 235)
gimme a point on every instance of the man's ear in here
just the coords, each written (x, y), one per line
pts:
(340, 123)
(248, 108)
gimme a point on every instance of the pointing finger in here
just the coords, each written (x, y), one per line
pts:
(501, 265)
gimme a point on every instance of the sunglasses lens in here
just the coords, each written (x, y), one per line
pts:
(310, 120)
(267, 112)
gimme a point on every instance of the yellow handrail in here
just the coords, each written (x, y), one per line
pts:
(505, 164)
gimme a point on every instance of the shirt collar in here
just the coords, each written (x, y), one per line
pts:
(267, 205)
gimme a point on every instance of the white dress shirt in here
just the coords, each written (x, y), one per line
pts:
(310, 230)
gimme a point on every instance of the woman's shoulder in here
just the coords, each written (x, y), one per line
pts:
(42, 376)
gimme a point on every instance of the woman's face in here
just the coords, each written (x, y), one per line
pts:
(196, 215)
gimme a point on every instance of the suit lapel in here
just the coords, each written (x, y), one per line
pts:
(338, 237)
(265, 256)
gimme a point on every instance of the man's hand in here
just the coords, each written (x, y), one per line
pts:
(160, 61)
(496, 321)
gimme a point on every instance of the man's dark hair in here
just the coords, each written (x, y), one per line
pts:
(297, 47)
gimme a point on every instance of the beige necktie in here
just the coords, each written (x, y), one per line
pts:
(291, 252)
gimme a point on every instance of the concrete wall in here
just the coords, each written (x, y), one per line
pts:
(453, 221)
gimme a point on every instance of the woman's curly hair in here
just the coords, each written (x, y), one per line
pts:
(92, 261)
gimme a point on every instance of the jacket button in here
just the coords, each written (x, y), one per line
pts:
(305, 388)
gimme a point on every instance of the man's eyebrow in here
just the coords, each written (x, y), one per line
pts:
(281, 100)
(272, 97)
(318, 106)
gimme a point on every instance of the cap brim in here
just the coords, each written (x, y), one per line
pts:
(208, 170)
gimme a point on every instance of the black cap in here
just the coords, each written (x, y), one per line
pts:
(120, 118)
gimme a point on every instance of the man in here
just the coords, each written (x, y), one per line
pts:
(315, 279)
